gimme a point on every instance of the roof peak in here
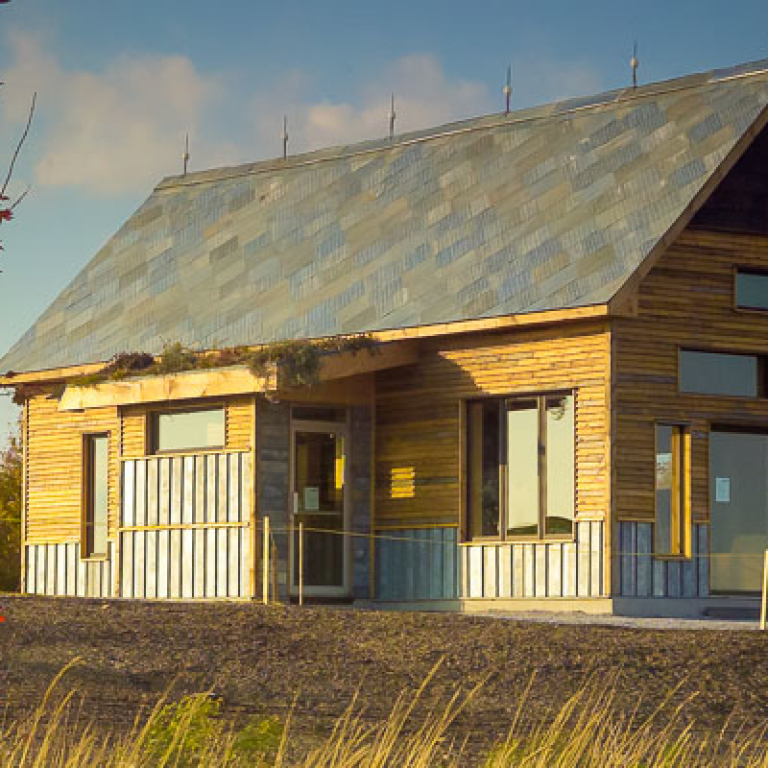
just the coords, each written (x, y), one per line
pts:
(484, 122)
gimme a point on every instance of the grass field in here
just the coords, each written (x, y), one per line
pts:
(342, 680)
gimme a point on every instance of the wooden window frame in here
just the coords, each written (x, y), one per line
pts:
(151, 428)
(740, 268)
(762, 371)
(87, 496)
(680, 535)
(466, 458)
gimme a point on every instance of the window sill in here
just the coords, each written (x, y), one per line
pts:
(528, 540)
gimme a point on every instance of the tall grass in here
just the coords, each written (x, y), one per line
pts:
(588, 731)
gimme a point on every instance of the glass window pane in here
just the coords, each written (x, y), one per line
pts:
(560, 464)
(189, 430)
(751, 290)
(483, 481)
(665, 473)
(523, 468)
(716, 373)
(98, 496)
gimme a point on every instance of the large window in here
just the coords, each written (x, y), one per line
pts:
(188, 430)
(672, 490)
(720, 373)
(520, 467)
(751, 289)
(96, 466)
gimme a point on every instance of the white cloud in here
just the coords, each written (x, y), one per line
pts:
(114, 131)
(424, 96)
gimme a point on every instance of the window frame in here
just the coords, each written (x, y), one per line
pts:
(87, 521)
(683, 475)
(762, 372)
(152, 430)
(466, 485)
(743, 269)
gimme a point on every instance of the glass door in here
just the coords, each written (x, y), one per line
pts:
(738, 487)
(318, 492)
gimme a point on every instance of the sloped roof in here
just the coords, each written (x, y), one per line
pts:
(547, 208)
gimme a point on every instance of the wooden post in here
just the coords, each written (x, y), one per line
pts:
(765, 591)
(301, 563)
(265, 564)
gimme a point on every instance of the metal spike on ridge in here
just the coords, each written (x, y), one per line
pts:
(508, 90)
(634, 63)
(284, 136)
(185, 156)
(392, 117)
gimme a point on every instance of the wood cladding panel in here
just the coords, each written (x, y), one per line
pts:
(55, 468)
(418, 414)
(685, 301)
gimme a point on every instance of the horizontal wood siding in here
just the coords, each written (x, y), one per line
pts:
(239, 423)
(54, 456)
(133, 423)
(417, 415)
(686, 300)
(56, 569)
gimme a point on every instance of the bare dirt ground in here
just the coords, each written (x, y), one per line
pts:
(268, 659)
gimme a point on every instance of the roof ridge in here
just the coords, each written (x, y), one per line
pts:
(552, 109)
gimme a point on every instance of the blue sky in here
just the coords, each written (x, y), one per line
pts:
(119, 84)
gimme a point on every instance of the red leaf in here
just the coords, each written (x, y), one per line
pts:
(6, 214)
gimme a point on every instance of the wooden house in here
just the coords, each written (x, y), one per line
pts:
(566, 407)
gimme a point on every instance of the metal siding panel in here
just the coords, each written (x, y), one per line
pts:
(596, 565)
(61, 569)
(140, 497)
(540, 554)
(233, 508)
(233, 559)
(152, 493)
(127, 566)
(222, 562)
(644, 559)
(451, 557)
(409, 587)
(703, 534)
(50, 569)
(93, 580)
(505, 570)
(490, 588)
(177, 489)
(210, 563)
(188, 494)
(382, 570)
(200, 490)
(31, 569)
(659, 578)
(555, 570)
(518, 572)
(569, 569)
(464, 571)
(82, 577)
(72, 568)
(140, 568)
(674, 578)
(245, 489)
(222, 482)
(211, 477)
(245, 545)
(164, 492)
(128, 496)
(175, 564)
(198, 576)
(585, 561)
(187, 562)
(690, 569)
(529, 571)
(475, 570)
(437, 552)
(163, 564)
(150, 565)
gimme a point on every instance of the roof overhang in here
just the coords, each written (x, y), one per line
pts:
(348, 364)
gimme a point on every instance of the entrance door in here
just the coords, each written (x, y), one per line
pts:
(738, 477)
(319, 491)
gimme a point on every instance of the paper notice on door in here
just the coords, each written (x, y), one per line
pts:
(311, 498)
(723, 490)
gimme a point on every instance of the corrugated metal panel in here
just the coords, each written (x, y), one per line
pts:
(56, 569)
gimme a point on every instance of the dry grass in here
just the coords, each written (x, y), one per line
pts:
(588, 731)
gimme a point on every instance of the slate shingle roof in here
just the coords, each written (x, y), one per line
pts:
(546, 208)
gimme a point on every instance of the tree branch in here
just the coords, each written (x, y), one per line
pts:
(16, 152)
